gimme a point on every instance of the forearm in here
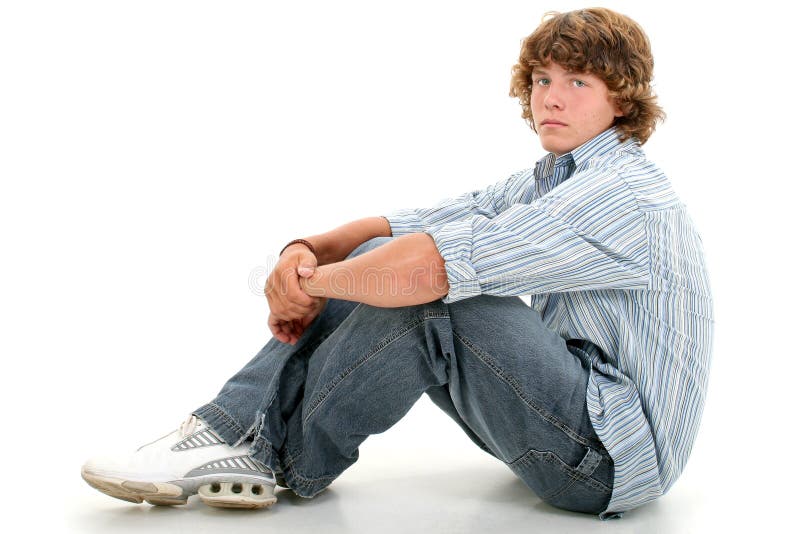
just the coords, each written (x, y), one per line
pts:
(334, 246)
(405, 271)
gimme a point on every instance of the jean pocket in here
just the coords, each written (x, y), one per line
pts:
(564, 486)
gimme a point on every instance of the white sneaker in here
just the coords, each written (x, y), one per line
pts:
(192, 459)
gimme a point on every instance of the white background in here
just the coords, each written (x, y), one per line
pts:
(155, 156)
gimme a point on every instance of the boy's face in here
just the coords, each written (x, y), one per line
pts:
(569, 108)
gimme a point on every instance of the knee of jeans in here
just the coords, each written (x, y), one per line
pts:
(368, 245)
(466, 313)
(585, 487)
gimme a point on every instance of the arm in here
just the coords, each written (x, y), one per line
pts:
(334, 246)
(291, 309)
(406, 271)
(487, 202)
(587, 234)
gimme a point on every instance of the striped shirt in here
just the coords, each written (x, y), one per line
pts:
(609, 254)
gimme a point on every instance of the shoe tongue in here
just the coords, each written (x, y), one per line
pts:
(200, 425)
(190, 426)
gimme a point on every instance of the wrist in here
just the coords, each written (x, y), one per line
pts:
(295, 242)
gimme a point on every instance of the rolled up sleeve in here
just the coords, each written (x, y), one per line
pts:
(407, 221)
(455, 244)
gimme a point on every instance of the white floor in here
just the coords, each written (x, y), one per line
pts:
(403, 485)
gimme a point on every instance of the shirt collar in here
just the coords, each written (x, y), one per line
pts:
(547, 166)
(600, 145)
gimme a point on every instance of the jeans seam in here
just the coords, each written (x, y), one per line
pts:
(299, 481)
(269, 397)
(226, 418)
(288, 461)
(372, 352)
(575, 476)
(578, 477)
(488, 360)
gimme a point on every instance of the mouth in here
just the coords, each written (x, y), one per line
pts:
(551, 123)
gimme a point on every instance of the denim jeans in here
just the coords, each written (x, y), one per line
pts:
(516, 388)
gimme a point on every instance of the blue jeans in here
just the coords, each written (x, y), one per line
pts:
(516, 388)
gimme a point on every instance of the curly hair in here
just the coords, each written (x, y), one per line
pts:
(602, 42)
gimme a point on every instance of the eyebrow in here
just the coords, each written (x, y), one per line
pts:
(568, 73)
(540, 71)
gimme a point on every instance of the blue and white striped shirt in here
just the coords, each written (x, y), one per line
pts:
(609, 254)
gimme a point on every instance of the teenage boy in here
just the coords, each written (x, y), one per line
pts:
(592, 395)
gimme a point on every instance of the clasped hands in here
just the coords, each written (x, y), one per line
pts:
(291, 308)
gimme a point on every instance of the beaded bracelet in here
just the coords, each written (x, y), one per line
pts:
(303, 241)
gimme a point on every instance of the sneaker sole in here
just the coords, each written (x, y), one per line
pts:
(216, 491)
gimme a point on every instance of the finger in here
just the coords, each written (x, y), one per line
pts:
(286, 328)
(279, 316)
(287, 289)
(279, 326)
(293, 327)
(297, 295)
(295, 335)
(274, 322)
(278, 334)
(287, 310)
(289, 316)
(299, 328)
(306, 264)
(274, 327)
(292, 332)
(297, 311)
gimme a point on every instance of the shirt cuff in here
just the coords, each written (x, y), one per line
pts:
(404, 222)
(454, 241)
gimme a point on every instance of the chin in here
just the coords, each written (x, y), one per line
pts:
(552, 143)
(554, 148)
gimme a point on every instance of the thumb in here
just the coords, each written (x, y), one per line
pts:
(305, 270)
(306, 265)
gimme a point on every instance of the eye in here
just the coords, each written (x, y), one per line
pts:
(579, 83)
(541, 81)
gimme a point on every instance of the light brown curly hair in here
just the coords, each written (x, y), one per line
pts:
(602, 42)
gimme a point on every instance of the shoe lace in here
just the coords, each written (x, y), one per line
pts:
(188, 426)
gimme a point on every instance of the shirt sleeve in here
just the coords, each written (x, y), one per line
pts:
(486, 203)
(586, 234)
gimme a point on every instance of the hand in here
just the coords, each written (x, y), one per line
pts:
(291, 331)
(291, 309)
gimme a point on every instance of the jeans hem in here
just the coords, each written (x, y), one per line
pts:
(234, 434)
(223, 424)
(305, 486)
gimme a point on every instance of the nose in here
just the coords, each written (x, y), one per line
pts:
(552, 98)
